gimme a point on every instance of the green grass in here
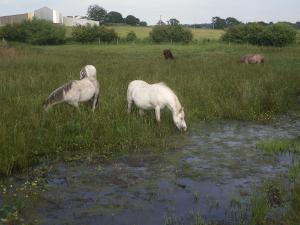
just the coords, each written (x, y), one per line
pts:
(206, 77)
(279, 146)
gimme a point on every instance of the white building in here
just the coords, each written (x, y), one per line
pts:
(51, 15)
(15, 18)
(72, 21)
(46, 13)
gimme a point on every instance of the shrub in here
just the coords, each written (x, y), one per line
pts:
(38, 32)
(278, 35)
(234, 34)
(84, 34)
(131, 36)
(87, 34)
(257, 34)
(253, 33)
(106, 35)
(169, 33)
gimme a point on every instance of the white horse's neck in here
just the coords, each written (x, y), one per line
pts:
(175, 106)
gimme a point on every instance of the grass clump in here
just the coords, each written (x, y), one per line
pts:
(279, 146)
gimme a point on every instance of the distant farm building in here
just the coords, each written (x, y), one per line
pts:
(71, 21)
(48, 14)
(15, 18)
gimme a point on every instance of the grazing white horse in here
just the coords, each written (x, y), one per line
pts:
(76, 91)
(155, 96)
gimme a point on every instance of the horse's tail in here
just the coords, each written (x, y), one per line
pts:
(57, 95)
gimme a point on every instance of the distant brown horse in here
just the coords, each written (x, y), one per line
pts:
(252, 59)
(168, 54)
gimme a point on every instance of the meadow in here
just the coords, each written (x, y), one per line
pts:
(143, 32)
(206, 77)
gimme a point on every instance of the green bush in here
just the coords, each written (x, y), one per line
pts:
(88, 34)
(278, 35)
(253, 33)
(131, 36)
(175, 33)
(257, 34)
(107, 35)
(38, 32)
(84, 34)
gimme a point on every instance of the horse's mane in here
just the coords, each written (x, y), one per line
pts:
(178, 104)
(163, 84)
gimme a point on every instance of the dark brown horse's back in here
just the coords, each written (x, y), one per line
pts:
(168, 54)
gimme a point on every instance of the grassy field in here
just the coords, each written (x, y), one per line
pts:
(206, 77)
(143, 32)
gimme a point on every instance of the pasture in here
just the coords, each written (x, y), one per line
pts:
(207, 78)
(143, 32)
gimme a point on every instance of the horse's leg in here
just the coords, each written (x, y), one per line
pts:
(141, 112)
(157, 113)
(129, 105)
(95, 101)
(75, 104)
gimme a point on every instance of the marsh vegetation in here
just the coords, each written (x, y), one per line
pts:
(206, 78)
(211, 85)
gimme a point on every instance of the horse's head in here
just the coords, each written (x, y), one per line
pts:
(88, 71)
(83, 73)
(179, 120)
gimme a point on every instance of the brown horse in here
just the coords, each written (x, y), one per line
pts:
(168, 54)
(252, 59)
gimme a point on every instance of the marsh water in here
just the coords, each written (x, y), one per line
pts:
(218, 162)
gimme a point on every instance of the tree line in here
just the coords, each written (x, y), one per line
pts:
(220, 23)
(98, 13)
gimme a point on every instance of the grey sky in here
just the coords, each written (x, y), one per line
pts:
(187, 11)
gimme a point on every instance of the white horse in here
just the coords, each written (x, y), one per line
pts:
(155, 96)
(76, 91)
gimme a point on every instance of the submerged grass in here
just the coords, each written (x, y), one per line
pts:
(279, 202)
(206, 77)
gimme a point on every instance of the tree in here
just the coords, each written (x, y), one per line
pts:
(114, 17)
(132, 20)
(160, 23)
(37, 32)
(143, 23)
(96, 12)
(231, 21)
(279, 34)
(89, 34)
(173, 22)
(218, 23)
(168, 33)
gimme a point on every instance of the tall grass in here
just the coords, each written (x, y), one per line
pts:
(279, 146)
(207, 79)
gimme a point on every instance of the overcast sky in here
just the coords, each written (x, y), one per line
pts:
(187, 11)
